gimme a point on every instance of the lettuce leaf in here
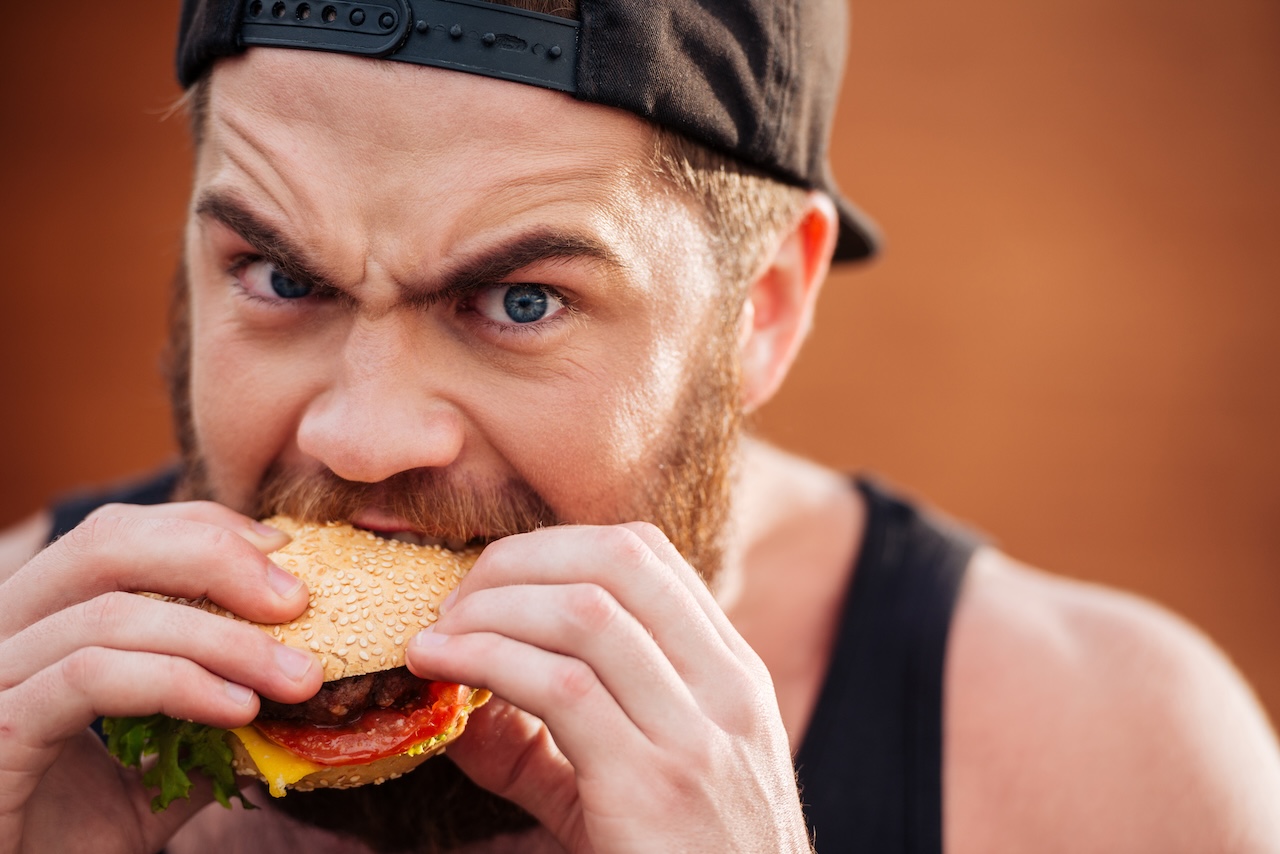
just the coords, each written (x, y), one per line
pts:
(179, 747)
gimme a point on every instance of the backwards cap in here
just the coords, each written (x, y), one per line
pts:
(755, 79)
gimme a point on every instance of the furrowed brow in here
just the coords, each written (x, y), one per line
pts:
(494, 265)
(265, 238)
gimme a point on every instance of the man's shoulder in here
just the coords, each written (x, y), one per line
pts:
(1080, 713)
(21, 542)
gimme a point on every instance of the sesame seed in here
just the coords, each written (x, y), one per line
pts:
(364, 656)
(350, 640)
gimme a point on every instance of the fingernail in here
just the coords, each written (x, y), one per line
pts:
(285, 584)
(267, 531)
(239, 694)
(428, 638)
(448, 601)
(293, 663)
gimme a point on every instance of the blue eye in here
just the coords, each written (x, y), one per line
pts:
(287, 288)
(260, 278)
(525, 303)
(518, 304)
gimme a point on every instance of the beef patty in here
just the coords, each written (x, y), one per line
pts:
(342, 700)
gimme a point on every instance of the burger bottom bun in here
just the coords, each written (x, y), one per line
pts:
(337, 776)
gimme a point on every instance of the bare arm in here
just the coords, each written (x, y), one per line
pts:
(1081, 719)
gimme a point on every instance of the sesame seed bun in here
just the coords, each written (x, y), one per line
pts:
(369, 595)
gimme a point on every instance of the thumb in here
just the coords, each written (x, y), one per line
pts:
(511, 753)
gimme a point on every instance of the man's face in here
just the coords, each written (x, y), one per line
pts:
(415, 278)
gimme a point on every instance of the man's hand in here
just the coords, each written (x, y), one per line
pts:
(656, 725)
(76, 644)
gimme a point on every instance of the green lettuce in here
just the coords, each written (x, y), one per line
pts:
(179, 747)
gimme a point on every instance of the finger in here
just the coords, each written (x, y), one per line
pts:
(665, 550)
(264, 537)
(585, 622)
(657, 594)
(134, 551)
(93, 682)
(242, 653)
(510, 753)
(587, 723)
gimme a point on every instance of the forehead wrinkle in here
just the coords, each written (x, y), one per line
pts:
(257, 179)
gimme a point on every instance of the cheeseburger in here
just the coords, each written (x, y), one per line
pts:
(372, 720)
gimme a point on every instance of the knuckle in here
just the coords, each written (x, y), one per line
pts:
(755, 707)
(80, 667)
(572, 681)
(647, 531)
(499, 553)
(102, 614)
(93, 534)
(111, 508)
(625, 545)
(590, 608)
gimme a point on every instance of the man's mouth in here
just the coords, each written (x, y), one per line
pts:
(391, 528)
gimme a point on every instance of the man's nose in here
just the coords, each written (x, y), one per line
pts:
(384, 410)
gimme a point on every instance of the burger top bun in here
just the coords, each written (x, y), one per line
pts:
(369, 595)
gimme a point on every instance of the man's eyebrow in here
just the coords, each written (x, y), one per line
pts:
(265, 238)
(540, 246)
(485, 269)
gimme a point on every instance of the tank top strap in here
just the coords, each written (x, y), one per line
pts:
(870, 765)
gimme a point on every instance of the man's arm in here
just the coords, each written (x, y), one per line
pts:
(1081, 719)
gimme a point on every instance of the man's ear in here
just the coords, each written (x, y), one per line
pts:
(778, 310)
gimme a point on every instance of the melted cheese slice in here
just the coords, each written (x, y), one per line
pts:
(280, 766)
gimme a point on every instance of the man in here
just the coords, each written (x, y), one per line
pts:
(413, 291)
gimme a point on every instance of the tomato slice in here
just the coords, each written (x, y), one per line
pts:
(377, 732)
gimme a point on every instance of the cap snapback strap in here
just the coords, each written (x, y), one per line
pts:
(467, 35)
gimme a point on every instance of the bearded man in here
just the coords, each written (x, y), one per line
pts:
(460, 273)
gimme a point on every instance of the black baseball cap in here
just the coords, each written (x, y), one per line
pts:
(755, 79)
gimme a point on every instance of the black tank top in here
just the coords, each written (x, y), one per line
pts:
(870, 767)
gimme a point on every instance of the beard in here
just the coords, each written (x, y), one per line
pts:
(684, 489)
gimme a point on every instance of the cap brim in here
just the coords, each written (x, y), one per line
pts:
(859, 238)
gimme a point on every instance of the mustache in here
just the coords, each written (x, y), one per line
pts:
(429, 501)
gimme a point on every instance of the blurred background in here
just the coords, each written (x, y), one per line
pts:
(1072, 340)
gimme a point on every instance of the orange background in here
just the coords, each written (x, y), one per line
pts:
(1071, 340)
